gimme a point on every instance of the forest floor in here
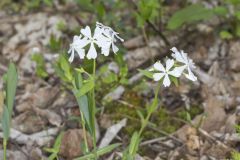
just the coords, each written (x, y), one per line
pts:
(193, 121)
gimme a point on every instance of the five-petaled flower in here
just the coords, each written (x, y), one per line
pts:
(174, 67)
(104, 37)
(165, 72)
(110, 37)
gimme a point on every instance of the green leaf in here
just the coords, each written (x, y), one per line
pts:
(86, 5)
(110, 77)
(226, 35)
(100, 152)
(189, 14)
(86, 87)
(40, 68)
(141, 116)
(12, 77)
(135, 140)
(223, 11)
(146, 73)
(82, 100)
(6, 123)
(153, 106)
(100, 9)
(237, 15)
(174, 80)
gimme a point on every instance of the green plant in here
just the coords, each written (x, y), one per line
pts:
(40, 65)
(10, 81)
(235, 155)
(189, 14)
(148, 10)
(181, 64)
(56, 148)
(231, 15)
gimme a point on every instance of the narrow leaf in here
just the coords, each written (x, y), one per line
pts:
(100, 152)
(146, 73)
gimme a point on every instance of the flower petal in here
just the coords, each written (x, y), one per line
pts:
(97, 32)
(177, 55)
(114, 48)
(158, 76)
(177, 71)
(81, 52)
(166, 81)
(71, 51)
(158, 66)
(169, 64)
(105, 50)
(86, 32)
(82, 42)
(190, 75)
(92, 53)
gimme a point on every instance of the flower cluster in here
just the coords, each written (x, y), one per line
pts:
(104, 37)
(181, 64)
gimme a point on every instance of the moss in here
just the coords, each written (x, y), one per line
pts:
(194, 111)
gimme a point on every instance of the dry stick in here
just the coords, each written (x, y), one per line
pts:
(207, 135)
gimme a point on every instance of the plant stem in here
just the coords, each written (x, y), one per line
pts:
(4, 149)
(145, 122)
(84, 133)
(94, 111)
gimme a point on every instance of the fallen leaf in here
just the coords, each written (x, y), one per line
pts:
(112, 132)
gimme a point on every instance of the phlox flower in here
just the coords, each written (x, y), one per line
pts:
(89, 39)
(187, 63)
(110, 38)
(76, 46)
(165, 72)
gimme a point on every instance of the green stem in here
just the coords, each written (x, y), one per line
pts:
(84, 133)
(4, 149)
(151, 110)
(94, 111)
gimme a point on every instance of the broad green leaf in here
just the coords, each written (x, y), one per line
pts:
(82, 100)
(11, 87)
(100, 152)
(189, 14)
(146, 73)
(86, 87)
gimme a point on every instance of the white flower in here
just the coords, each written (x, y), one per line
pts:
(165, 72)
(76, 46)
(188, 63)
(97, 38)
(109, 37)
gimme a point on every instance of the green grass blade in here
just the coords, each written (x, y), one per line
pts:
(6, 123)
(100, 152)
